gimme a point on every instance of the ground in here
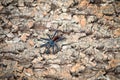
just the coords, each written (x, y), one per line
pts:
(90, 50)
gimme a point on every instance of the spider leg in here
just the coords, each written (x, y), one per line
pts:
(43, 45)
(49, 36)
(57, 47)
(60, 39)
(54, 34)
(44, 39)
(53, 49)
(48, 50)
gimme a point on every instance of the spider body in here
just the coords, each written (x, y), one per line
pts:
(51, 42)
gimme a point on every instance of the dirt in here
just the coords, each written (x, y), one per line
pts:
(90, 49)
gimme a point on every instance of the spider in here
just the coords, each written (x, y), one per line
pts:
(51, 42)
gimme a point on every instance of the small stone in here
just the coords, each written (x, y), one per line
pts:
(10, 35)
(91, 19)
(77, 67)
(15, 28)
(85, 60)
(49, 71)
(83, 21)
(117, 71)
(117, 32)
(48, 24)
(83, 4)
(46, 31)
(16, 39)
(95, 1)
(50, 56)
(114, 63)
(55, 66)
(20, 68)
(65, 16)
(28, 72)
(117, 7)
(1, 7)
(108, 10)
(92, 64)
(24, 36)
(31, 42)
(64, 47)
(28, 0)
(108, 1)
(5, 3)
(30, 23)
(110, 18)
(67, 3)
(64, 9)
(76, 18)
(75, 37)
(20, 3)
(117, 19)
(38, 59)
(6, 31)
(82, 55)
(65, 74)
(99, 15)
(35, 34)
(58, 61)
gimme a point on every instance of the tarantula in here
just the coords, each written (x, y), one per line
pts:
(51, 42)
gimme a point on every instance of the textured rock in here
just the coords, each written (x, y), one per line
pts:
(90, 50)
(77, 68)
(108, 10)
(117, 32)
(6, 3)
(117, 7)
(24, 36)
(91, 19)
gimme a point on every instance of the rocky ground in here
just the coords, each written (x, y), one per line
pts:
(90, 50)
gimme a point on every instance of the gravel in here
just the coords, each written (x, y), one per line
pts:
(90, 50)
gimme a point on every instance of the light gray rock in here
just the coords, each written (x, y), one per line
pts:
(10, 35)
(108, 10)
(91, 19)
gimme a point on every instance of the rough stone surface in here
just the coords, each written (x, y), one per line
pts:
(108, 10)
(90, 50)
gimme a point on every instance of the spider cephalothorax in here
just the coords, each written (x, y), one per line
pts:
(51, 43)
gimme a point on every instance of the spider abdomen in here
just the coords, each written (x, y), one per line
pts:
(55, 38)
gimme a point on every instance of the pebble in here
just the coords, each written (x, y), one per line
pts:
(1, 7)
(30, 24)
(20, 3)
(83, 21)
(16, 39)
(5, 3)
(55, 66)
(108, 10)
(91, 30)
(76, 18)
(117, 32)
(24, 36)
(77, 68)
(28, 72)
(10, 35)
(15, 28)
(65, 16)
(91, 19)
(31, 42)
(117, 7)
